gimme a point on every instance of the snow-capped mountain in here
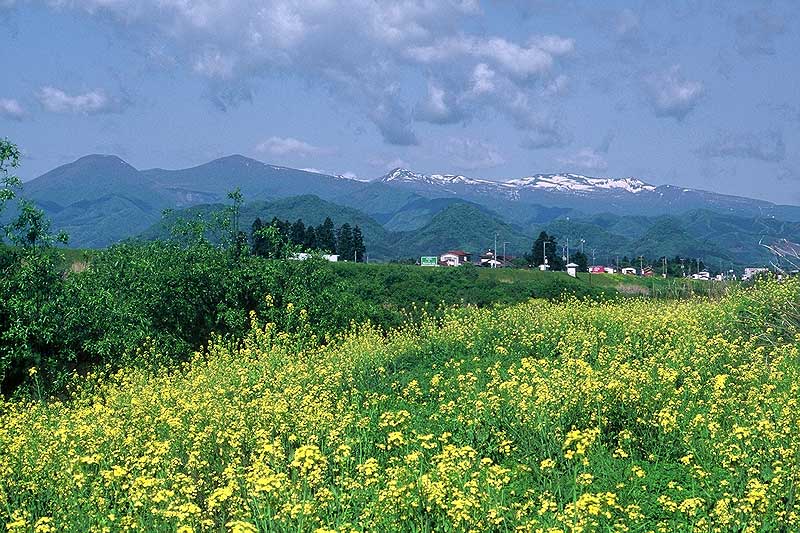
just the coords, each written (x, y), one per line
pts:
(585, 193)
(570, 183)
(557, 182)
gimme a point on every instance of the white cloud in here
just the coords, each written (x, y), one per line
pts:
(483, 79)
(11, 109)
(521, 62)
(90, 103)
(556, 87)
(671, 95)
(360, 50)
(586, 159)
(439, 107)
(472, 154)
(394, 121)
(282, 146)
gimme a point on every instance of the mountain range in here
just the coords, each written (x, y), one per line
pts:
(101, 199)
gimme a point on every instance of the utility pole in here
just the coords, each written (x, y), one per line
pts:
(494, 252)
(504, 251)
(664, 275)
(544, 252)
(641, 265)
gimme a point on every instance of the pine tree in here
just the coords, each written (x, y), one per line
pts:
(326, 239)
(540, 250)
(310, 239)
(344, 240)
(359, 248)
(581, 259)
(298, 233)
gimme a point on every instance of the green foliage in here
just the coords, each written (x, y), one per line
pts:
(9, 160)
(31, 228)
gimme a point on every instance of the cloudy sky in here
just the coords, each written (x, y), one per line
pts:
(702, 94)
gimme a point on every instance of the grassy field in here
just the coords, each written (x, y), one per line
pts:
(638, 415)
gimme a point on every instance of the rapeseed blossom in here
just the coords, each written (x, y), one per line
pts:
(546, 416)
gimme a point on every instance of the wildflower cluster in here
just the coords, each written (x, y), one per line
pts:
(623, 416)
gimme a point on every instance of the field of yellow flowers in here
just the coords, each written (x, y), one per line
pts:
(568, 416)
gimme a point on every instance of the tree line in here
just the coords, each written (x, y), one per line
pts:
(547, 247)
(282, 238)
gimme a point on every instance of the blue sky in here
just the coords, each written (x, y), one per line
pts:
(700, 94)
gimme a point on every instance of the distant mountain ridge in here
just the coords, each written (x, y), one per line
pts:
(101, 199)
(588, 194)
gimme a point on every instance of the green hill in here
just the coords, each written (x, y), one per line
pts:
(311, 209)
(462, 226)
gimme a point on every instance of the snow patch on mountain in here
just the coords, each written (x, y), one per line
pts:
(574, 183)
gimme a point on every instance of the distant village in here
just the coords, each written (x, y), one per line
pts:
(491, 259)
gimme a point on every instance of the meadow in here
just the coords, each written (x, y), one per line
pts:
(570, 415)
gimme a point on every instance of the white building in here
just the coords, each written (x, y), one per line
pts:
(454, 258)
(629, 271)
(751, 272)
(302, 256)
(572, 270)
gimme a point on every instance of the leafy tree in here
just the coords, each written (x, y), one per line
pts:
(9, 160)
(359, 248)
(326, 239)
(276, 242)
(31, 229)
(284, 227)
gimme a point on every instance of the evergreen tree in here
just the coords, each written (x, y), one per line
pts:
(298, 233)
(358, 244)
(310, 239)
(326, 239)
(344, 241)
(580, 259)
(545, 246)
(257, 240)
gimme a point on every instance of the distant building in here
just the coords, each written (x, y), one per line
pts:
(597, 269)
(454, 258)
(611, 270)
(491, 260)
(629, 271)
(751, 272)
(572, 270)
(302, 256)
(703, 276)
